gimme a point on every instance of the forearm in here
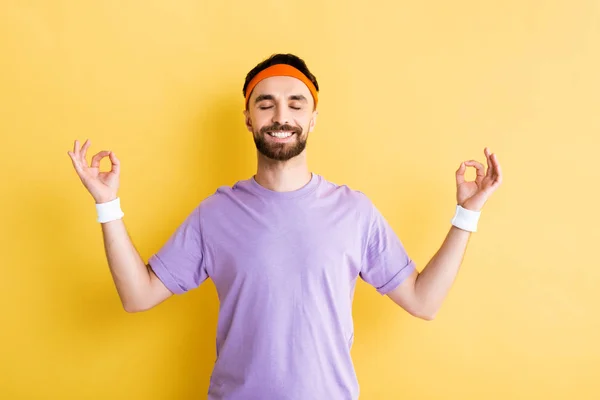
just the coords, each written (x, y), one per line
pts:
(128, 270)
(434, 281)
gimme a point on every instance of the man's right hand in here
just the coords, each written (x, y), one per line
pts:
(102, 186)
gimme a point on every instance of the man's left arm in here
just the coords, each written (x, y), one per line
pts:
(422, 294)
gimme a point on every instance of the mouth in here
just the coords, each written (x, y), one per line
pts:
(281, 136)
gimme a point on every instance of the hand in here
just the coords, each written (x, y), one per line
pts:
(101, 185)
(473, 195)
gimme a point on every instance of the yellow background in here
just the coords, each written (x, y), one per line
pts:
(408, 91)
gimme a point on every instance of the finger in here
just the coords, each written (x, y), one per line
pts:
(479, 170)
(460, 174)
(76, 148)
(99, 156)
(490, 165)
(75, 161)
(478, 166)
(83, 152)
(498, 170)
(116, 164)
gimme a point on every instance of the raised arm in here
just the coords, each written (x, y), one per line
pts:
(422, 293)
(138, 287)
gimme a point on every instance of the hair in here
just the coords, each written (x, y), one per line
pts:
(289, 59)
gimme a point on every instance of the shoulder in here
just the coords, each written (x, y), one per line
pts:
(224, 196)
(347, 195)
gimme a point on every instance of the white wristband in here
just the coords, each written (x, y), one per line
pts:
(465, 219)
(109, 211)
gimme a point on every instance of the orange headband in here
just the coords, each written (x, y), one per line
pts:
(281, 70)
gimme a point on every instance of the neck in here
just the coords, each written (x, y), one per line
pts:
(283, 176)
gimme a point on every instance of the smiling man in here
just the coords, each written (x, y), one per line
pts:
(284, 249)
(282, 131)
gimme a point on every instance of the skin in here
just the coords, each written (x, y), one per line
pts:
(281, 107)
(422, 294)
(274, 103)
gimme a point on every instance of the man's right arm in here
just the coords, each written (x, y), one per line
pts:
(138, 286)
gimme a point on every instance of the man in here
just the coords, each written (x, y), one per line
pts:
(284, 249)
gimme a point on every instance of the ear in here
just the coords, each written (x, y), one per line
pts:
(313, 121)
(248, 120)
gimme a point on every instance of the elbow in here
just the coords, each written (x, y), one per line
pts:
(132, 307)
(426, 315)
(132, 310)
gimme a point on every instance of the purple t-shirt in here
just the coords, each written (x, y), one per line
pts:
(285, 266)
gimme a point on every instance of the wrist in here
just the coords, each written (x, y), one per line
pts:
(109, 211)
(465, 219)
(471, 204)
(108, 199)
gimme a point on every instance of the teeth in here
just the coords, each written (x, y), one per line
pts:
(280, 135)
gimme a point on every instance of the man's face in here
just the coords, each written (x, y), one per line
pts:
(280, 115)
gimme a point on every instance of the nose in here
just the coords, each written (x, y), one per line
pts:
(281, 115)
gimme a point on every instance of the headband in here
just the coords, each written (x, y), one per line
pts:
(281, 70)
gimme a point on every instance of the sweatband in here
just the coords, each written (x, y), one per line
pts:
(109, 211)
(466, 219)
(281, 70)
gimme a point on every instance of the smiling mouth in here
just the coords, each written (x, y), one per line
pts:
(280, 134)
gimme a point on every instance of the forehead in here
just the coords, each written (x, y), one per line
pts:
(281, 86)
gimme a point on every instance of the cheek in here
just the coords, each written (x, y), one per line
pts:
(307, 125)
(303, 121)
(257, 122)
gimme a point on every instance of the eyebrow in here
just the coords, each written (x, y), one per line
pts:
(298, 97)
(262, 97)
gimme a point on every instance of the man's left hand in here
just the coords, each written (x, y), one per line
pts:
(472, 195)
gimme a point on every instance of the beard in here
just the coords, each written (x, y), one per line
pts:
(280, 151)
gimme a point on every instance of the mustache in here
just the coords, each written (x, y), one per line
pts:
(277, 127)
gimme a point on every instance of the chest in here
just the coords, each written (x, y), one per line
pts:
(272, 247)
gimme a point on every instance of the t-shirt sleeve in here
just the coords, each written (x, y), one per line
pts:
(386, 263)
(180, 263)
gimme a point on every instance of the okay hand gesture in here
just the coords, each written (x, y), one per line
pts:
(101, 185)
(472, 195)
